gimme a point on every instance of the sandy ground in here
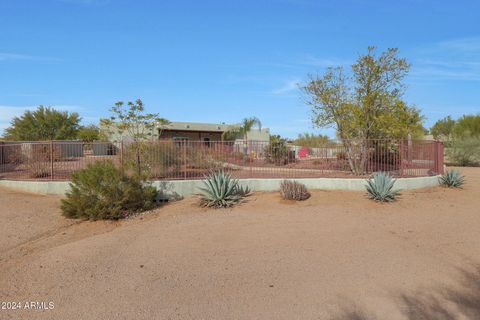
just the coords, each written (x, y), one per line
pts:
(335, 256)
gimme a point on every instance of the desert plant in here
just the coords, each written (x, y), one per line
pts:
(464, 151)
(293, 190)
(221, 190)
(37, 168)
(153, 158)
(380, 187)
(36, 159)
(277, 151)
(452, 179)
(102, 191)
(243, 191)
(44, 123)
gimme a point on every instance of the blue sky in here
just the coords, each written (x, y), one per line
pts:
(221, 61)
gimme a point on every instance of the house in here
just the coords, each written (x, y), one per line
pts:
(194, 131)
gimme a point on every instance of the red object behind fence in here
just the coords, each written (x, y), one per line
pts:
(303, 152)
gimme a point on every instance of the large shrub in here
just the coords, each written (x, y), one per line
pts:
(464, 151)
(102, 191)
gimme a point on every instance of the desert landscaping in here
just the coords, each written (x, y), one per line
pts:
(337, 255)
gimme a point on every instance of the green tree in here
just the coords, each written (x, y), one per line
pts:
(132, 120)
(367, 105)
(45, 123)
(136, 124)
(467, 126)
(244, 128)
(312, 140)
(277, 150)
(443, 128)
(247, 125)
(89, 133)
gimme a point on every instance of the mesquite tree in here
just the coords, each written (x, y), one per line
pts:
(365, 105)
(44, 123)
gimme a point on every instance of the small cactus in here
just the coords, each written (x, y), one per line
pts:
(292, 190)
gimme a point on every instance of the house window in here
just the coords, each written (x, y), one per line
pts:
(179, 141)
(206, 141)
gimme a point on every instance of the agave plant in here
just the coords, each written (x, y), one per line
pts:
(221, 190)
(380, 187)
(453, 179)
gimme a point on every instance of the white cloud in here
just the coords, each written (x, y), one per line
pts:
(8, 112)
(14, 56)
(8, 56)
(465, 45)
(288, 87)
(455, 59)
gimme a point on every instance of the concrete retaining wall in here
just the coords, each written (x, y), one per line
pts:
(182, 188)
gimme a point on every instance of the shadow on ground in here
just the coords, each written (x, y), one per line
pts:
(441, 303)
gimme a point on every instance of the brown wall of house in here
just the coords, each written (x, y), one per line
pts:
(193, 136)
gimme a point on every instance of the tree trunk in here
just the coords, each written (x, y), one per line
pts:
(356, 156)
(350, 156)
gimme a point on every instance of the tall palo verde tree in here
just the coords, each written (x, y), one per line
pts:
(132, 120)
(366, 104)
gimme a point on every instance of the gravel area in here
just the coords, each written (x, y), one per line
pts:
(336, 255)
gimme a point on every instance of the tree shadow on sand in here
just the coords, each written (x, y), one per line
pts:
(444, 303)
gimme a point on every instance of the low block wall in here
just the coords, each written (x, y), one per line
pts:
(183, 188)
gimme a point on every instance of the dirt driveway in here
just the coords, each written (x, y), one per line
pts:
(335, 256)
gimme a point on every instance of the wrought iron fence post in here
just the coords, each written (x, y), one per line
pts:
(184, 160)
(401, 157)
(51, 160)
(250, 160)
(441, 155)
(438, 157)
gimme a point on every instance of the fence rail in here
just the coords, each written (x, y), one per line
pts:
(169, 160)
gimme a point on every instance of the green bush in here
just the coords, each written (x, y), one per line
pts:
(102, 191)
(154, 158)
(464, 151)
(277, 151)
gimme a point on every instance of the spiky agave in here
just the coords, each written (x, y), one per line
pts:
(221, 190)
(380, 187)
(452, 179)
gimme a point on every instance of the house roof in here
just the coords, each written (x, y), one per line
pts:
(195, 126)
